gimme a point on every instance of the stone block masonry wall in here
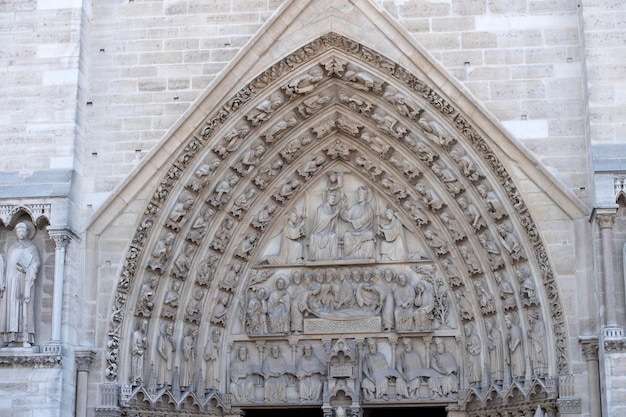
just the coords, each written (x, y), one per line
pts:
(39, 63)
(523, 61)
(150, 60)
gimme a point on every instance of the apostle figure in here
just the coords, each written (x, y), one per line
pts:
(310, 371)
(514, 343)
(244, 375)
(166, 349)
(376, 375)
(138, 346)
(16, 289)
(359, 241)
(410, 365)
(444, 363)
(393, 245)
(188, 359)
(323, 243)
(276, 372)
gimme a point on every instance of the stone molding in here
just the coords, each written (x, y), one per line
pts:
(337, 152)
(615, 346)
(38, 212)
(26, 360)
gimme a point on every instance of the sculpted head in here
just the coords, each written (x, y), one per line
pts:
(21, 230)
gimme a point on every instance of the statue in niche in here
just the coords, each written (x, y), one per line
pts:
(200, 224)
(435, 132)
(323, 242)
(243, 202)
(138, 346)
(439, 245)
(410, 366)
(188, 358)
(287, 190)
(231, 278)
(510, 241)
(276, 372)
(264, 215)
(182, 263)
(385, 299)
(304, 302)
(528, 290)
(293, 147)
(193, 311)
(377, 373)
(424, 152)
(417, 213)
(304, 83)
(171, 299)
(222, 236)
(265, 108)
(204, 173)
(310, 372)
(370, 167)
(221, 309)
(444, 363)
(288, 121)
(211, 356)
(250, 159)
(507, 293)
(278, 307)
(491, 201)
(206, 270)
(221, 194)
(410, 170)
(375, 143)
(247, 245)
(471, 212)
(233, 140)
(312, 104)
(244, 375)
(166, 348)
(362, 80)
(452, 272)
(145, 301)
(464, 304)
(537, 339)
(473, 346)
(471, 260)
(429, 196)
(268, 172)
(359, 241)
(178, 213)
(494, 255)
(447, 177)
(356, 103)
(465, 163)
(485, 298)
(161, 253)
(424, 315)
(496, 351)
(291, 247)
(514, 344)
(344, 295)
(404, 297)
(402, 104)
(453, 226)
(257, 312)
(394, 188)
(309, 168)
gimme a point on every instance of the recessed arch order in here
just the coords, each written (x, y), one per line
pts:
(337, 117)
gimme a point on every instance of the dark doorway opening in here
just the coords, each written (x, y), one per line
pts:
(405, 412)
(283, 412)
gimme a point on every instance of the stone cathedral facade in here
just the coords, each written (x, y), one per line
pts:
(336, 208)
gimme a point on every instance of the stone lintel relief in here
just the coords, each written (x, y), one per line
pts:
(380, 210)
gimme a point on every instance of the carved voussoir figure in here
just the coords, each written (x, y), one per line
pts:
(161, 253)
(222, 192)
(267, 173)
(145, 301)
(200, 225)
(265, 108)
(247, 245)
(304, 83)
(278, 128)
(203, 173)
(178, 213)
(232, 140)
(243, 202)
(250, 159)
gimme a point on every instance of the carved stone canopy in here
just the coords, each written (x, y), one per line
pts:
(338, 162)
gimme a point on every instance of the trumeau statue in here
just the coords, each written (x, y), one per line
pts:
(17, 278)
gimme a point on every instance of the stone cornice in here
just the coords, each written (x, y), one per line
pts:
(26, 360)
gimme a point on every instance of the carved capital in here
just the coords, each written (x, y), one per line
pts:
(83, 359)
(590, 349)
(605, 220)
(61, 237)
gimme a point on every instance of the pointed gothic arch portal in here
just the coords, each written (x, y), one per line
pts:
(339, 234)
